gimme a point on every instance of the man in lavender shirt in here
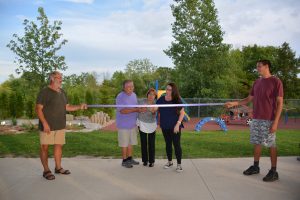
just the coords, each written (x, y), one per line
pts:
(126, 123)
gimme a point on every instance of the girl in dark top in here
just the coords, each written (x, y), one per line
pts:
(170, 120)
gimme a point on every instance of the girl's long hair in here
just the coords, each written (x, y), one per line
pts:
(175, 93)
(175, 96)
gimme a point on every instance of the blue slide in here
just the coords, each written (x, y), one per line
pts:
(209, 119)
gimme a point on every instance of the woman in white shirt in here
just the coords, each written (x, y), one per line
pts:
(147, 126)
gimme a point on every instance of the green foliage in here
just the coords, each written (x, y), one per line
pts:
(14, 121)
(19, 105)
(142, 72)
(4, 105)
(12, 104)
(164, 75)
(236, 78)
(198, 52)
(17, 98)
(285, 66)
(37, 50)
(29, 127)
(89, 99)
(29, 109)
(107, 96)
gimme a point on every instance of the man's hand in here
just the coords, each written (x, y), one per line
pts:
(231, 104)
(273, 128)
(83, 106)
(46, 128)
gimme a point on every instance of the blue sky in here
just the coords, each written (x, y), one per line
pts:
(104, 35)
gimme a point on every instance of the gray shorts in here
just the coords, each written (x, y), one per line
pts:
(260, 133)
(127, 137)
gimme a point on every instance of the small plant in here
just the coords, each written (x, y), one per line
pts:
(29, 127)
(14, 121)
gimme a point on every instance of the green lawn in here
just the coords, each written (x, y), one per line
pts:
(206, 144)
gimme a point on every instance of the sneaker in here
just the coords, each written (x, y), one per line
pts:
(127, 164)
(251, 170)
(271, 176)
(168, 165)
(145, 163)
(151, 165)
(179, 168)
(134, 162)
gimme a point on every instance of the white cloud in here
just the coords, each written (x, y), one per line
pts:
(104, 42)
(81, 1)
(153, 3)
(7, 68)
(121, 30)
(39, 2)
(257, 22)
(120, 37)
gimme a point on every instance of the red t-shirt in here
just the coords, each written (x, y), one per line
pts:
(264, 92)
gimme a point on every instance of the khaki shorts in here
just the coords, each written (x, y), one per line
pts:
(55, 137)
(127, 137)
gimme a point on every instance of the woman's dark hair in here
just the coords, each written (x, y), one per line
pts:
(175, 96)
(175, 93)
(266, 62)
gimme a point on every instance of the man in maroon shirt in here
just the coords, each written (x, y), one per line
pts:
(267, 97)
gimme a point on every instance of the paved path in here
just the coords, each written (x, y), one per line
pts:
(95, 178)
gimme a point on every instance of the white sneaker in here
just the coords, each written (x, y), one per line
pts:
(168, 165)
(179, 168)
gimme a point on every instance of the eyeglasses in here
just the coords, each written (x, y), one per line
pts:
(58, 77)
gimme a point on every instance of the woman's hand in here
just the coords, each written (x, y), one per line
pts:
(153, 110)
(142, 110)
(176, 128)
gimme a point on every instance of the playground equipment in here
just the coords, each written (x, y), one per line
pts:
(100, 118)
(218, 120)
(286, 117)
(238, 115)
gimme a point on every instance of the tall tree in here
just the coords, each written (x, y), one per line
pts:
(253, 53)
(287, 69)
(37, 50)
(285, 65)
(164, 75)
(142, 72)
(198, 51)
(4, 105)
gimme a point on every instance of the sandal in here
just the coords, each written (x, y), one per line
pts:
(62, 171)
(48, 175)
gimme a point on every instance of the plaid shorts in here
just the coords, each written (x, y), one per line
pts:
(260, 133)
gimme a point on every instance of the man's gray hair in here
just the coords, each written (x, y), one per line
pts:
(126, 81)
(52, 74)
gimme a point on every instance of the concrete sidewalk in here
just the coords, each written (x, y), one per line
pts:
(95, 178)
